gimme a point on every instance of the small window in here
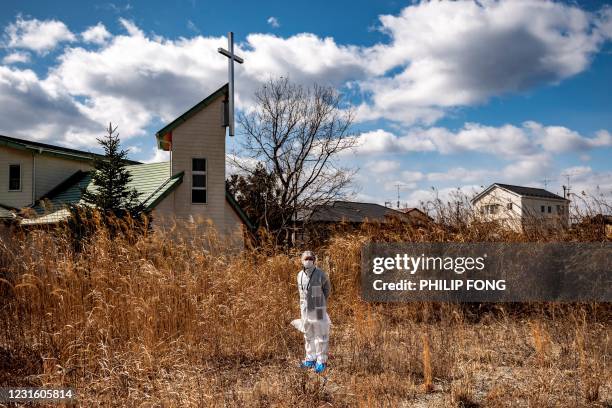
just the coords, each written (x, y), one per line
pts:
(542, 208)
(549, 209)
(14, 177)
(198, 181)
(558, 209)
(509, 206)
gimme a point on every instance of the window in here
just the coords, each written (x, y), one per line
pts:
(198, 181)
(509, 206)
(542, 209)
(549, 209)
(558, 209)
(490, 209)
(14, 177)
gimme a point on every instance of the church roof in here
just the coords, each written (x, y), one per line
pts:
(162, 134)
(152, 181)
(6, 212)
(52, 150)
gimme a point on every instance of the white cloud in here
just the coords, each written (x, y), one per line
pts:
(158, 156)
(16, 57)
(36, 35)
(383, 166)
(460, 174)
(508, 141)
(463, 52)
(439, 55)
(97, 34)
(273, 21)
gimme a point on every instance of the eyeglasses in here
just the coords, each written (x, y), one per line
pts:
(309, 258)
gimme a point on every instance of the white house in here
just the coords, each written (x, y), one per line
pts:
(191, 186)
(519, 207)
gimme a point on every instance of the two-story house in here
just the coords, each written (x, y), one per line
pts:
(519, 207)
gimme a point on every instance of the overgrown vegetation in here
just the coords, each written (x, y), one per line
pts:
(172, 318)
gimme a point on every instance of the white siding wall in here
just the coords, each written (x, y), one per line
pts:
(49, 172)
(525, 210)
(511, 217)
(23, 197)
(52, 170)
(533, 210)
(201, 136)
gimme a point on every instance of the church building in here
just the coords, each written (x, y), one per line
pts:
(190, 187)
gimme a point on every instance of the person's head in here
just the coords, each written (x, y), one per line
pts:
(308, 259)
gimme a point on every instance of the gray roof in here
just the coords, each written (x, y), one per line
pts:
(522, 191)
(349, 211)
(530, 191)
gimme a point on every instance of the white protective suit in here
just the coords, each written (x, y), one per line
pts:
(314, 287)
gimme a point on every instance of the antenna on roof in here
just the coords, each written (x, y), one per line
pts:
(566, 189)
(398, 186)
(546, 181)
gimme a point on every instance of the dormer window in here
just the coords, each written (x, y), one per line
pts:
(14, 177)
(198, 181)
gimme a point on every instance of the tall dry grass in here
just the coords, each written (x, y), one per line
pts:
(172, 318)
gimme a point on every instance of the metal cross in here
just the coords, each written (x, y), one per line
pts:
(230, 73)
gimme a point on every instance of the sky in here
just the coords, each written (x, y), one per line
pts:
(446, 94)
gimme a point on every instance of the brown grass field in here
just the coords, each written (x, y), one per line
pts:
(158, 322)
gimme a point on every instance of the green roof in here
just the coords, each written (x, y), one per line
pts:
(52, 150)
(6, 212)
(195, 109)
(152, 181)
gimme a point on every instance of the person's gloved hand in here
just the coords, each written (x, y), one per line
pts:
(319, 368)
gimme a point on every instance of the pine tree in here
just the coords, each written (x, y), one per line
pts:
(110, 178)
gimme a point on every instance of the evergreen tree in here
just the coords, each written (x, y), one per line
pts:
(110, 178)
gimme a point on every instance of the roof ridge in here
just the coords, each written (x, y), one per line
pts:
(52, 149)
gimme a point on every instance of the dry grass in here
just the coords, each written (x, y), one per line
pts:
(155, 321)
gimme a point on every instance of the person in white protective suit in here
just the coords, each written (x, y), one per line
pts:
(314, 287)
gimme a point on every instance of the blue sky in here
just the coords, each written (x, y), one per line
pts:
(447, 94)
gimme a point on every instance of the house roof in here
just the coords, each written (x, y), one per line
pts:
(52, 150)
(6, 212)
(522, 191)
(152, 181)
(223, 91)
(349, 211)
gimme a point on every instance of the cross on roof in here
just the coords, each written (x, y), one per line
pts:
(229, 53)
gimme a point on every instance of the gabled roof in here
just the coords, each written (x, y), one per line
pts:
(152, 181)
(349, 211)
(522, 191)
(223, 91)
(52, 150)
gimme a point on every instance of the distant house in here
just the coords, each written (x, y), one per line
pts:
(416, 215)
(519, 207)
(44, 178)
(320, 220)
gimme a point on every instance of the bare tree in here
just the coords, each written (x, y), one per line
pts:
(298, 132)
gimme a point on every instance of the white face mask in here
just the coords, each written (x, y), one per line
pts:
(308, 264)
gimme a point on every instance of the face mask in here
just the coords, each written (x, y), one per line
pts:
(308, 264)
